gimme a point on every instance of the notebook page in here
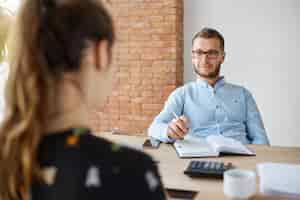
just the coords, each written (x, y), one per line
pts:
(227, 145)
(193, 146)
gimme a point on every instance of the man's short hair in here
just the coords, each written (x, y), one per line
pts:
(210, 33)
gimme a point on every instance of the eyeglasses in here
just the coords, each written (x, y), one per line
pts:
(211, 54)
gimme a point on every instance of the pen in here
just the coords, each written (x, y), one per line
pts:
(174, 114)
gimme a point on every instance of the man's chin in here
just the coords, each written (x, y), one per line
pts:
(208, 76)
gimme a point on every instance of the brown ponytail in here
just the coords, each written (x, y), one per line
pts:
(45, 42)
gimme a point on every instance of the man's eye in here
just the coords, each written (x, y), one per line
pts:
(212, 53)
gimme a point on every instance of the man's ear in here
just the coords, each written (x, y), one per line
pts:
(102, 55)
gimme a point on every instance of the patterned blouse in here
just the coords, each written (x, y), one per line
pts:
(79, 166)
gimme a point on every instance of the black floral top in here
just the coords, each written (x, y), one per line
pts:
(79, 166)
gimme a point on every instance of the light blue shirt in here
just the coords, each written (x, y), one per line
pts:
(225, 109)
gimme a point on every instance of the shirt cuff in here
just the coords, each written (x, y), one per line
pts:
(164, 134)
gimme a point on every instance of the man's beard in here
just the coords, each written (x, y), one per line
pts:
(210, 75)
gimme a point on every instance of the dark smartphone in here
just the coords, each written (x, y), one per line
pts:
(181, 194)
(151, 143)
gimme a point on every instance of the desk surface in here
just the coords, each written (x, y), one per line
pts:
(171, 166)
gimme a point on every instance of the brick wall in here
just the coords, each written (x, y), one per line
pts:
(149, 57)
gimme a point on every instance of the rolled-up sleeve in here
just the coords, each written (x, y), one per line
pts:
(159, 126)
(256, 132)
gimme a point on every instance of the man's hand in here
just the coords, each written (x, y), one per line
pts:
(178, 128)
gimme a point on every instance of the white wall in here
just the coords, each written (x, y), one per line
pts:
(262, 42)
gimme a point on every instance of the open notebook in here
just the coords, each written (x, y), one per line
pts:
(211, 146)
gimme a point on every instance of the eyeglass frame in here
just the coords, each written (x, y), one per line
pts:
(198, 53)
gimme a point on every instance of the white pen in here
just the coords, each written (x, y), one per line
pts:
(174, 114)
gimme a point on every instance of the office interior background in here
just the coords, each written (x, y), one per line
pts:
(263, 49)
(152, 54)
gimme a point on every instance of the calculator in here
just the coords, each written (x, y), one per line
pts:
(213, 169)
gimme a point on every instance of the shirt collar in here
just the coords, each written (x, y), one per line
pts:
(203, 83)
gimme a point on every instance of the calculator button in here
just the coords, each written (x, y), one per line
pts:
(193, 164)
(218, 166)
(211, 165)
(206, 165)
(202, 164)
(222, 166)
(214, 165)
(199, 164)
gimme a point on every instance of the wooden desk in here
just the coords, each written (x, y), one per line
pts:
(171, 166)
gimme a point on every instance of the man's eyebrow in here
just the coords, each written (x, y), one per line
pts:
(205, 51)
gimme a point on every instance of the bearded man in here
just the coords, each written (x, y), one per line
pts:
(209, 105)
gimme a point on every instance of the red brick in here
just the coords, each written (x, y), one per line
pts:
(148, 54)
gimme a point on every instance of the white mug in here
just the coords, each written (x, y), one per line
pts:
(239, 184)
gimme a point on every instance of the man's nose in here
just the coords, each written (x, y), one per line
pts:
(203, 58)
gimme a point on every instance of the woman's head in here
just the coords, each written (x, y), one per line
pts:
(50, 40)
(77, 36)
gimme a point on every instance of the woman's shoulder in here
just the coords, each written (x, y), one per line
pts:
(90, 148)
(99, 162)
(97, 147)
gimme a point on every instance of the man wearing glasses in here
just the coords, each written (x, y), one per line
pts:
(209, 105)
